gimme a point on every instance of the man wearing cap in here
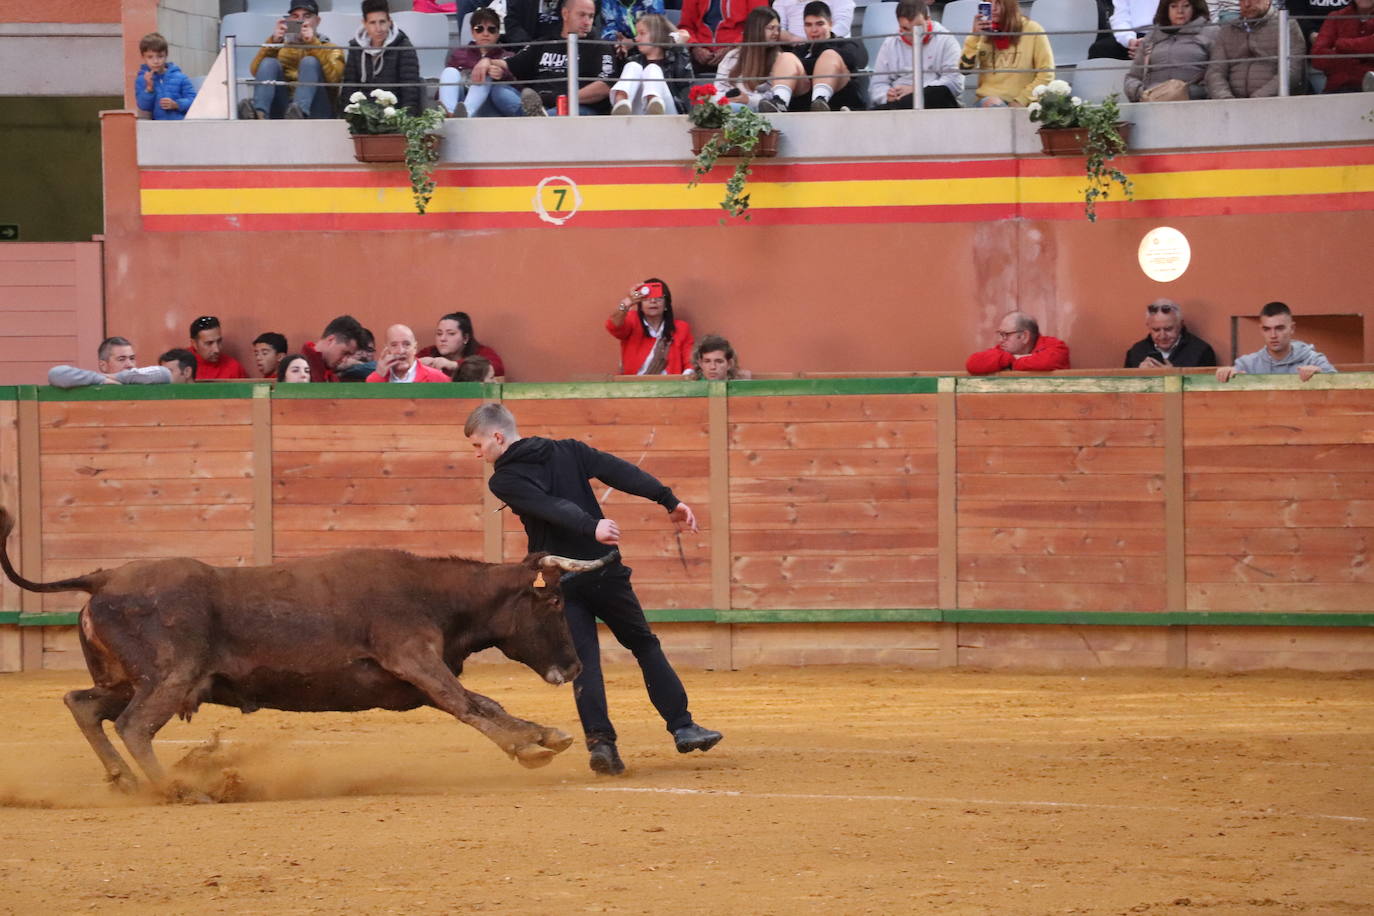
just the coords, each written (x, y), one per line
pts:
(1169, 342)
(306, 60)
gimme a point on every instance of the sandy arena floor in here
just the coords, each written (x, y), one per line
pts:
(837, 790)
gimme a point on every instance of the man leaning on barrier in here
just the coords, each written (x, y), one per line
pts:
(1169, 343)
(298, 54)
(1022, 347)
(1281, 354)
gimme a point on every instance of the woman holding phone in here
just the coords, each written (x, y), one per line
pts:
(652, 341)
(1005, 40)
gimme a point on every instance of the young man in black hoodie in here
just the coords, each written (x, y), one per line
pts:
(546, 482)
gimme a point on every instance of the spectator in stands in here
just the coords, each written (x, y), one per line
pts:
(294, 368)
(828, 61)
(160, 88)
(268, 349)
(747, 72)
(1169, 342)
(207, 341)
(890, 86)
(525, 21)
(792, 15)
(338, 344)
(454, 344)
(1244, 63)
(1130, 21)
(990, 49)
(115, 365)
(620, 18)
(306, 63)
(653, 342)
(1349, 30)
(712, 26)
(1022, 347)
(1177, 49)
(358, 365)
(1311, 15)
(475, 369)
(713, 360)
(398, 362)
(547, 67)
(380, 56)
(655, 78)
(488, 91)
(180, 363)
(1281, 355)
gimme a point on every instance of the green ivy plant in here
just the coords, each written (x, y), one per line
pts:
(1055, 106)
(740, 132)
(376, 113)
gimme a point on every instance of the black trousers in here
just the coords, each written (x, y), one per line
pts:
(932, 96)
(606, 594)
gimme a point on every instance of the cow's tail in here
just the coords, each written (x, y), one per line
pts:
(86, 583)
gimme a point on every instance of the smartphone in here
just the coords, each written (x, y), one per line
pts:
(985, 11)
(293, 31)
(650, 291)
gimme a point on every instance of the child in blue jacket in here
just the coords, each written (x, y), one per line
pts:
(161, 88)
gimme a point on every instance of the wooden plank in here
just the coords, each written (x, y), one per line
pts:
(101, 491)
(37, 322)
(1175, 505)
(1228, 459)
(435, 519)
(842, 515)
(146, 466)
(673, 594)
(374, 464)
(836, 595)
(1207, 541)
(982, 567)
(139, 440)
(694, 491)
(862, 434)
(1076, 433)
(765, 542)
(1061, 596)
(831, 463)
(10, 499)
(630, 442)
(947, 510)
(1241, 428)
(441, 412)
(30, 514)
(1282, 513)
(1294, 483)
(138, 544)
(718, 418)
(79, 566)
(120, 414)
(403, 491)
(492, 550)
(113, 519)
(536, 417)
(1291, 597)
(888, 489)
(263, 528)
(1063, 487)
(1310, 403)
(822, 408)
(1024, 514)
(1064, 541)
(467, 544)
(758, 571)
(1330, 568)
(1083, 406)
(45, 348)
(1084, 459)
(1251, 648)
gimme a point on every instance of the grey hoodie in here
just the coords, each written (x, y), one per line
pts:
(72, 377)
(1299, 354)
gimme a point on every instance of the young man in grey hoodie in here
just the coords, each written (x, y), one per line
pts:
(1282, 355)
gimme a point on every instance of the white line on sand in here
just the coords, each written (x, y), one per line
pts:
(728, 793)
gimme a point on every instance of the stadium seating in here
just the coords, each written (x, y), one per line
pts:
(880, 20)
(958, 18)
(427, 29)
(248, 29)
(1068, 15)
(1094, 80)
(339, 26)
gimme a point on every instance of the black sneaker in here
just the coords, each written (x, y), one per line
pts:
(533, 107)
(770, 104)
(295, 112)
(820, 105)
(605, 759)
(695, 738)
(247, 112)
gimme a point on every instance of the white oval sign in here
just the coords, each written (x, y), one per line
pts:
(1164, 254)
(557, 199)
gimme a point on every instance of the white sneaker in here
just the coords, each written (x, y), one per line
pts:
(654, 105)
(623, 107)
(1367, 84)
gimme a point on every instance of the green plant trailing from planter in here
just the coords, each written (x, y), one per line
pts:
(1056, 107)
(740, 131)
(376, 113)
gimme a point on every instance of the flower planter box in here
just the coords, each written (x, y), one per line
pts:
(1069, 141)
(768, 143)
(384, 147)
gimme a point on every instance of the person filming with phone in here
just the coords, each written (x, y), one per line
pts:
(295, 53)
(652, 341)
(1009, 52)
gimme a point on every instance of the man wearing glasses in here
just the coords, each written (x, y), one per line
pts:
(1169, 342)
(207, 342)
(1020, 346)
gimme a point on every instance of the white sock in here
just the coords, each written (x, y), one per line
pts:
(822, 91)
(783, 94)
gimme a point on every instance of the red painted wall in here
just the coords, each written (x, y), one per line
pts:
(60, 10)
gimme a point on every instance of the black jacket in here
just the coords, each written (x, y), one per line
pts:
(398, 62)
(546, 483)
(1190, 351)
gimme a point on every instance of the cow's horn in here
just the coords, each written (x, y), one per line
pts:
(577, 566)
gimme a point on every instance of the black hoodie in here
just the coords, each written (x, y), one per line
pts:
(546, 482)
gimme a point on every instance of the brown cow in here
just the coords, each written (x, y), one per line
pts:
(357, 629)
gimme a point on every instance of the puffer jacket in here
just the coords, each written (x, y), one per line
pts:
(1174, 54)
(330, 56)
(1344, 32)
(172, 84)
(1231, 76)
(395, 63)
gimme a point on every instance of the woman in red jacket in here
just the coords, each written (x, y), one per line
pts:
(652, 341)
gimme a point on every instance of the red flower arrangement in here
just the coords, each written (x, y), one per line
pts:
(704, 110)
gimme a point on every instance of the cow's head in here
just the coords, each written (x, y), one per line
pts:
(540, 637)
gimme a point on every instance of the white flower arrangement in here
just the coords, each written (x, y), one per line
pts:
(1056, 107)
(377, 113)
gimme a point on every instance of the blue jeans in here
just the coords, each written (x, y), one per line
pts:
(482, 100)
(272, 100)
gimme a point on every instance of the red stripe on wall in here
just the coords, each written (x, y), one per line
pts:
(1059, 166)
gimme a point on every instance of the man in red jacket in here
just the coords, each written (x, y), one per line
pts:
(709, 21)
(207, 341)
(1020, 346)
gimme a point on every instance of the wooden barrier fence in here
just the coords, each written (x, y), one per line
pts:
(1028, 522)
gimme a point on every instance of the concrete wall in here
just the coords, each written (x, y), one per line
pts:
(88, 52)
(191, 28)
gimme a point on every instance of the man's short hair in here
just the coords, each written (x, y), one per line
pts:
(376, 6)
(367, 340)
(182, 356)
(564, 4)
(108, 344)
(913, 9)
(818, 8)
(485, 14)
(345, 328)
(1025, 322)
(272, 339)
(1275, 308)
(490, 417)
(203, 323)
(472, 369)
(153, 41)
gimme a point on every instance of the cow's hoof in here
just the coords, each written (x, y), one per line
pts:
(122, 781)
(178, 793)
(556, 740)
(532, 756)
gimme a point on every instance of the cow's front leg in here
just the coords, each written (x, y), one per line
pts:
(555, 739)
